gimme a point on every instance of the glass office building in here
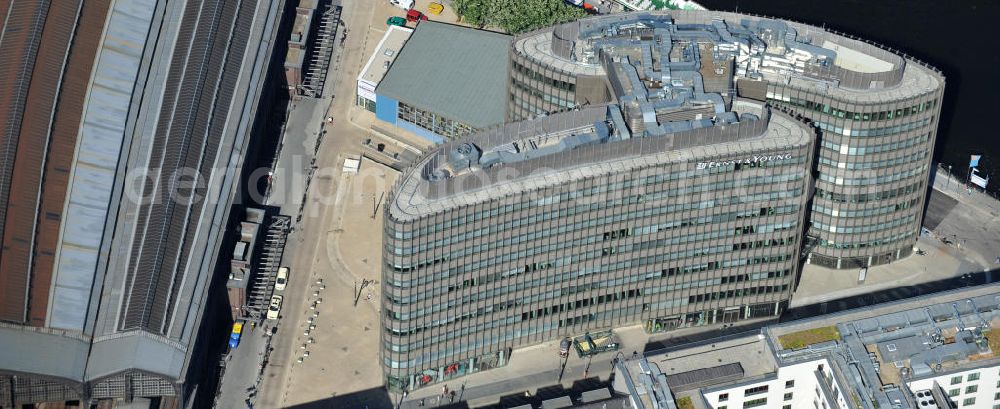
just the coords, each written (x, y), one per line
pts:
(548, 228)
(876, 111)
(657, 170)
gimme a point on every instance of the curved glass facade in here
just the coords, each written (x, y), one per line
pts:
(661, 240)
(731, 143)
(881, 150)
(877, 114)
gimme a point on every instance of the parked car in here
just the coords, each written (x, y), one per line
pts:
(282, 280)
(403, 4)
(414, 15)
(435, 8)
(275, 308)
(396, 21)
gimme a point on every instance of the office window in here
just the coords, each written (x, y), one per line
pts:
(755, 403)
(969, 402)
(788, 396)
(954, 392)
(723, 397)
(996, 396)
(972, 389)
(956, 380)
(755, 390)
(789, 384)
(973, 377)
(786, 407)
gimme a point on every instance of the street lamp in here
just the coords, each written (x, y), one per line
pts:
(949, 177)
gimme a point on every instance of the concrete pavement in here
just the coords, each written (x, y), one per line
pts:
(973, 224)
(343, 355)
(819, 284)
(296, 154)
(243, 367)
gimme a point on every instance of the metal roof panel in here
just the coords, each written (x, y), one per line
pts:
(458, 72)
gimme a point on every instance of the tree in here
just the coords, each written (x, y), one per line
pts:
(516, 16)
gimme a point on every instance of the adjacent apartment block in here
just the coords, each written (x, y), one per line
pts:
(937, 351)
(877, 111)
(674, 191)
(124, 127)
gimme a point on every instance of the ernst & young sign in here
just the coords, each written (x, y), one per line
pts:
(747, 161)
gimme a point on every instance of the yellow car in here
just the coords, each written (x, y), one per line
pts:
(435, 8)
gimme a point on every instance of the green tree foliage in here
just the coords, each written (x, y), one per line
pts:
(516, 16)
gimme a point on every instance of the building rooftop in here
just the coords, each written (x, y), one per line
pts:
(385, 53)
(751, 354)
(569, 146)
(459, 71)
(760, 48)
(874, 352)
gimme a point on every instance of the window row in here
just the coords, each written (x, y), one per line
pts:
(835, 212)
(866, 228)
(865, 244)
(875, 164)
(868, 197)
(870, 149)
(889, 130)
(855, 116)
(876, 180)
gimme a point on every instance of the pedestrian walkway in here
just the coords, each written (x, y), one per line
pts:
(540, 368)
(243, 368)
(958, 189)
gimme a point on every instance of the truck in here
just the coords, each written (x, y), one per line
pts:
(234, 336)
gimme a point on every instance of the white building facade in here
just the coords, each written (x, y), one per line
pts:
(796, 386)
(970, 388)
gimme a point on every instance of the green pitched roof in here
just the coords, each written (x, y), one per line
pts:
(457, 72)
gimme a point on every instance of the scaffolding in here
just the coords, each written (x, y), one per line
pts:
(262, 284)
(321, 53)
